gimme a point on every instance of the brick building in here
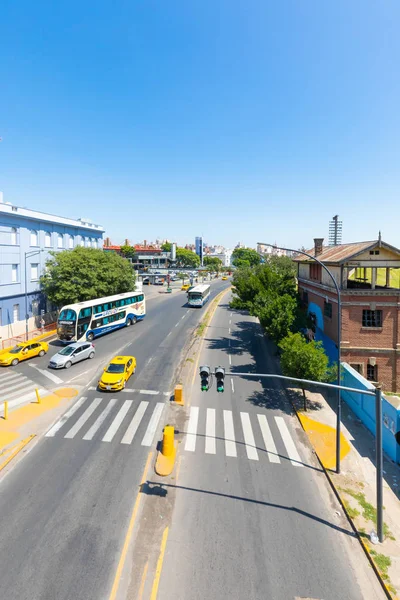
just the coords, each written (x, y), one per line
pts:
(368, 275)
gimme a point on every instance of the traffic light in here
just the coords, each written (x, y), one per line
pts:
(220, 377)
(205, 378)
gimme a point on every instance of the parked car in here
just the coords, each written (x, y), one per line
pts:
(159, 281)
(22, 352)
(72, 354)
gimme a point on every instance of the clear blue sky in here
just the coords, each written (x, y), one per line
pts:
(250, 120)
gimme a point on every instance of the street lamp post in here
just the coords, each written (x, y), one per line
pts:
(339, 334)
(28, 254)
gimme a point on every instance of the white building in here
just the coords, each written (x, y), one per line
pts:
(225, 257)
(270, 250)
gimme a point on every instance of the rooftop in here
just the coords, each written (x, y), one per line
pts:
(343, 252)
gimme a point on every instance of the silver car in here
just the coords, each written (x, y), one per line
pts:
(72, 354)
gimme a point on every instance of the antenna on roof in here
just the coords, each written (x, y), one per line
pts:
(335, 231)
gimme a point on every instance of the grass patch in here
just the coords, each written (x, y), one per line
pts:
(369, 511)
(201, 328)
(382, 562)
(190, 360)
(352, 512)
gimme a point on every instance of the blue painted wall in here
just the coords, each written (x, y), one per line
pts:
(364, 407)
(329, 345)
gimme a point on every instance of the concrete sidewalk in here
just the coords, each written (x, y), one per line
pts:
(355, 485)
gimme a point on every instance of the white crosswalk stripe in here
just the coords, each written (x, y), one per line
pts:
(242, 434)
(17, 389)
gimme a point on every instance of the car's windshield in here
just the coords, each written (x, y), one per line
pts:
(67, 351)
(115, 368)
(195, 296)
(16, 349)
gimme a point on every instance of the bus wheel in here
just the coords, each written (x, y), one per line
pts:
(128, 322)
(134, 320)
(90, 337)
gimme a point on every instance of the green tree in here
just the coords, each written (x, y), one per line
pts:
(187, 258)
(304, 360)
(128, 251)
(245, 257)
(278, 316)
(212, 261)
(166, 246)
(85, 273)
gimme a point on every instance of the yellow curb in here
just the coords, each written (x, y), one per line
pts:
(16, 451)
(323, 440)
(66, 392)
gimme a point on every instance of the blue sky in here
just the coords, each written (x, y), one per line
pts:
(250, 120)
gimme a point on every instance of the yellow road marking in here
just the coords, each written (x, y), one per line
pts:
(128, 536)
(157, 576)
(323, 439)
(18, 449)
(140, 593)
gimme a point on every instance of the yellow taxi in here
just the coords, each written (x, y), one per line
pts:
(185, 287)
(22, 352)
(117, 373)
(224, 278)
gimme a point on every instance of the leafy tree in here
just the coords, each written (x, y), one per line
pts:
(245, 257)
(212, 261)
(166, 246)
(304, 360)
(187, 258)
(278, 316)
(128, 251)
(246, 286)
(85, 273)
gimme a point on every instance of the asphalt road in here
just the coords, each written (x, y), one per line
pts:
(65, 508)
(254, 517)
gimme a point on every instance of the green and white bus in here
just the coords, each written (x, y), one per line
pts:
(199, 295)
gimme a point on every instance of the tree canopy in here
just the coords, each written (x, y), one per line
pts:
(187, 258)
(212, 261)
(166, 246)
(128, 251)
(245, 257)
(85, 273)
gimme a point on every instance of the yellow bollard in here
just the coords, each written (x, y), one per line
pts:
(166, 458)
(6, 410)
(38, 396)
(178, 395)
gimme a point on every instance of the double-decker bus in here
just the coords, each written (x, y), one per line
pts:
(87, 320)
(199, 295)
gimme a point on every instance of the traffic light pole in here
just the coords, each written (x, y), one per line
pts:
(377, 394)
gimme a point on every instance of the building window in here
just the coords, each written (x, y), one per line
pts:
(71, 241)
(15, 313)
(35, 308)
(328, 310)
(34, 271)
(359, 367)
(34, 237)
(315, 271)
(60, 240)
(14, 273)
(372, 372)
(372, 318)
(376, 252)
(14, 236)
(47, 239)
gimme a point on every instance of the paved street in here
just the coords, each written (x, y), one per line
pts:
(64, 509)
(253, 515)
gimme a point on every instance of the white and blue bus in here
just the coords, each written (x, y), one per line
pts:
(86, 320)
(199, 295)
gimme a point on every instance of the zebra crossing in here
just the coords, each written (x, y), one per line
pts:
(210, 431)
(16, 388)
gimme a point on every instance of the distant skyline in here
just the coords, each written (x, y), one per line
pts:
(240, 121)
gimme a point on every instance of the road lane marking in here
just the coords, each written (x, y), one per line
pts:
(82, 420)
(231, 314)
(183, 317)
(169, 334)
(269, 443)
(10, 376)
(91, 388)
(96, 425)
(210, 447)
(190, 444)
(134, 424)
(27, 383)
(289, 443)
(149, 392)
(157, 576)
(230, 359)
(150, 359)
(77, 376)
(232, 385)
(229, 343)
(229, 330)
(152, 426)
(50, 376)
(177, 324)
(53, 430)
(116, 424)
(230, 446)
(128, 536)
(248, 435)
